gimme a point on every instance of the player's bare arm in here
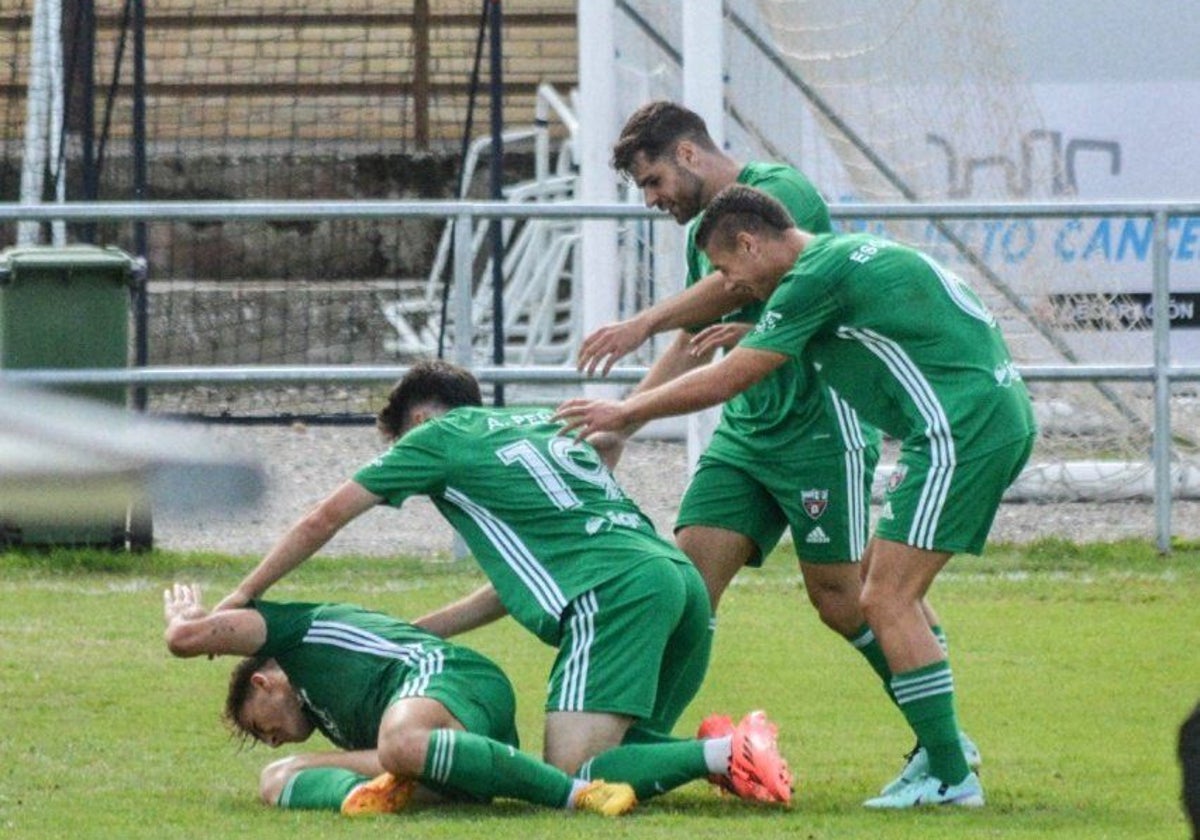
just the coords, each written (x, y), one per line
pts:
(703, 301)
(702, 388)
(675, 360)
(303, 540)
(363, 762)
(193, 631)
(475, 610)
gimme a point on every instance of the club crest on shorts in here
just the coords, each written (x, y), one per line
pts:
(814, 502)
(897, 477)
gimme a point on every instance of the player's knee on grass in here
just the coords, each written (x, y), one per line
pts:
(402, 750)
(274, 778)
(571, 738)
(404, 733)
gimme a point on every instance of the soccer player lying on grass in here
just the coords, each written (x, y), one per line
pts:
(914, 351)
(392, 696)
(575, 562)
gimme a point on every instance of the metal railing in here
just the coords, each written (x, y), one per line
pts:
(1161, 372)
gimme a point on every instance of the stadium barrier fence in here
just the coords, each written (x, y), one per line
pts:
(1161, 373)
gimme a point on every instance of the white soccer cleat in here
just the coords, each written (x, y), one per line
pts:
(930, 790)
(916, 764)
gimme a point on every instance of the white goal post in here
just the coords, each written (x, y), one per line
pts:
(44, 119)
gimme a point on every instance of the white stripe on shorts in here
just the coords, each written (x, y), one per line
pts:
(937, 430)
(582, 625)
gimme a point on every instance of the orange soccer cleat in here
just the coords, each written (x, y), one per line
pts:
(385, 794)
(757, 771)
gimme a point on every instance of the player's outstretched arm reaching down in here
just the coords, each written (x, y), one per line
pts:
(700, 303)
(700, 389)
(304, 539)
(464, 615)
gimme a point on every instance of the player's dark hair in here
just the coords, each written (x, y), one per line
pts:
(1189, 759)
(654, 130)
(741, 209)
(431, 381)
(239, 692)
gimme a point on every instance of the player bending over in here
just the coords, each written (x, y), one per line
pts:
(574, 561)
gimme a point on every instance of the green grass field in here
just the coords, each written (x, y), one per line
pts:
(1074, 665)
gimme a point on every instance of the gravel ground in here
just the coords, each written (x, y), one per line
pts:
(304, 463)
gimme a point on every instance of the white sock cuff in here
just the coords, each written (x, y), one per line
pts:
(717, 754)
(576, 786)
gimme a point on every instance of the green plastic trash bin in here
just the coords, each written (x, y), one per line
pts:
(68, 307)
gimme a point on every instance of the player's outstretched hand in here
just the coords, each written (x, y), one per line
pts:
(606, 345)
(585, 417)
(182, 600)
(717, 335)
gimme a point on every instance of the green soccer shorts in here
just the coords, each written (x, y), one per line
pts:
(948, 508)
(473, 689)
(825, 501)
(636, 645)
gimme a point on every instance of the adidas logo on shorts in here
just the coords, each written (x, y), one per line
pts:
(817, 535)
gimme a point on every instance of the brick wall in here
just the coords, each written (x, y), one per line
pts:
(284, 99)
(352, 70)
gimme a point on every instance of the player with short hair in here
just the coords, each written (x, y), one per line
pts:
(911, 347)
(574, 561)
(391, 696)
(787, 452)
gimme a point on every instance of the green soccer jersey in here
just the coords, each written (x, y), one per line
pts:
(348, 663)
(786, 415)
(903, 340)
(543, 516)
